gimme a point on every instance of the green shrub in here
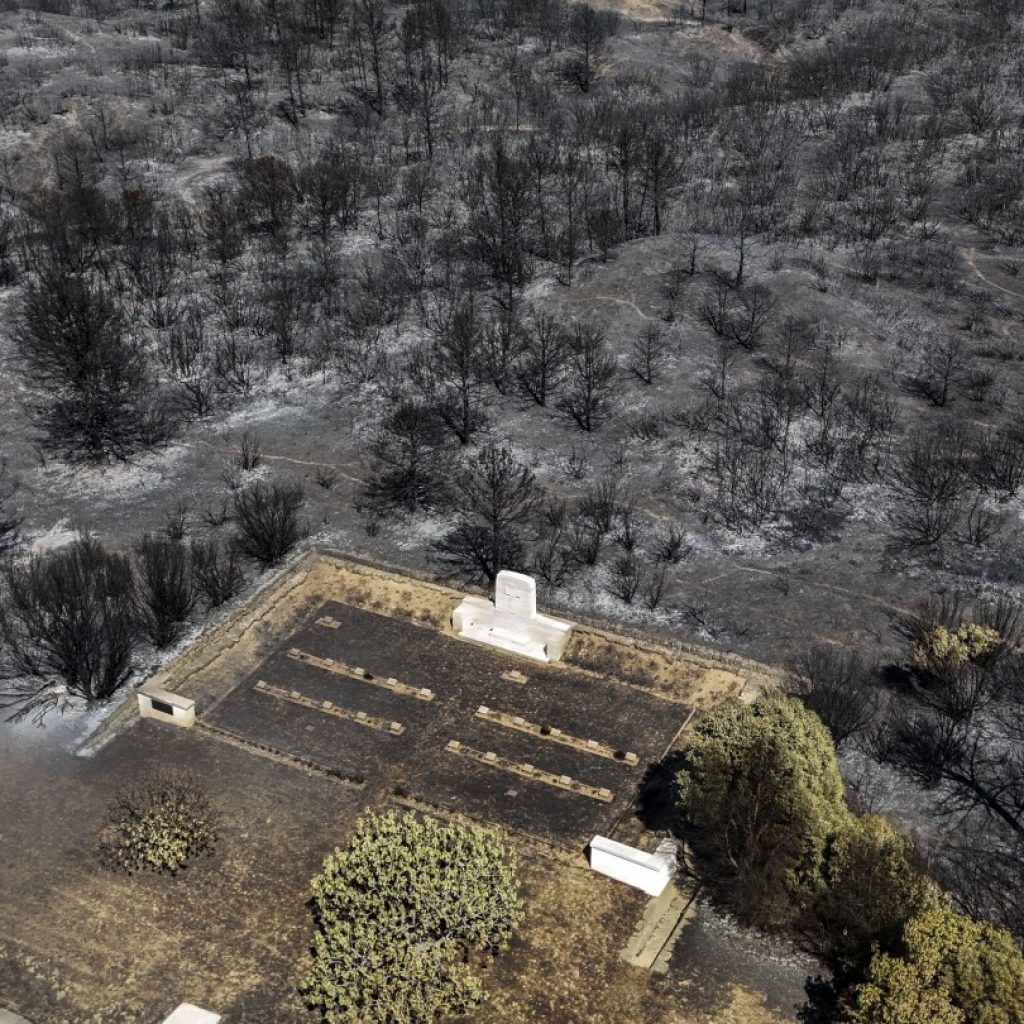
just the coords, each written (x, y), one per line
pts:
(941, 648)
(158, 825)
(399, 915)
(947, 969)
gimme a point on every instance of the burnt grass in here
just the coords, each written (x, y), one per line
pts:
(80, 943)
(463, 677)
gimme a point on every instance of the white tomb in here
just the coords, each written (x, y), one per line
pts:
(166, 706)
(187, 1013)
(511, 621)
(650, 872)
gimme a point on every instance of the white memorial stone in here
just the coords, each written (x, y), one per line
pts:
(511, 621)
(649, 872)
(515, 594)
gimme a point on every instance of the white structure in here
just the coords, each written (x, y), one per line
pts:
(167, 707)
(650, 872)
(9, 1017)
(511, 620)
(189, 1014)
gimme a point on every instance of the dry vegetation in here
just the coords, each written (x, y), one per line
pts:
(565, 966)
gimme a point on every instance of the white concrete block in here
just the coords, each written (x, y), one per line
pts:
(166, 706)
(649, 872)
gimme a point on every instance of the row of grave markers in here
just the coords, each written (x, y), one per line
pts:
(488, 757)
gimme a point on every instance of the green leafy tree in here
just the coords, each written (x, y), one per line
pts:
(873, 886)
(761, 789)
(399, 915)
(947, 969)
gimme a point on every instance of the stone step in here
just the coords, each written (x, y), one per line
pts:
(650, 946)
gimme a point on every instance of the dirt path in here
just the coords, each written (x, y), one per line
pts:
(827, 588)
(970, 255)
(621, 302)
(655, 516)
(268, 457)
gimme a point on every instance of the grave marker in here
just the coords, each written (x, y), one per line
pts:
(511, 621)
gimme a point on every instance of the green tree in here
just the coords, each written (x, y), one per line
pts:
(399, 914)
(873, 886)
(947, 969)
(761, 787)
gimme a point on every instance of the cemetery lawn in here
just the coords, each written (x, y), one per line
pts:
(80, 944)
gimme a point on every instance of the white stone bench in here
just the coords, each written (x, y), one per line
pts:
(649, 872)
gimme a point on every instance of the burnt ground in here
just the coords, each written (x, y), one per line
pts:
(81, 944)
(463, 677)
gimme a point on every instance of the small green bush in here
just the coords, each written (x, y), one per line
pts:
(158, 825)
(946, 969)
(941, 647)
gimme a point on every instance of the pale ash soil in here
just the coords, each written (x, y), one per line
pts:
(766, 593)
(761, 595)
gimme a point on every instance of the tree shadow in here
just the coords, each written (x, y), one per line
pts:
(822, 1006)
(897, 679)
(656, 798)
